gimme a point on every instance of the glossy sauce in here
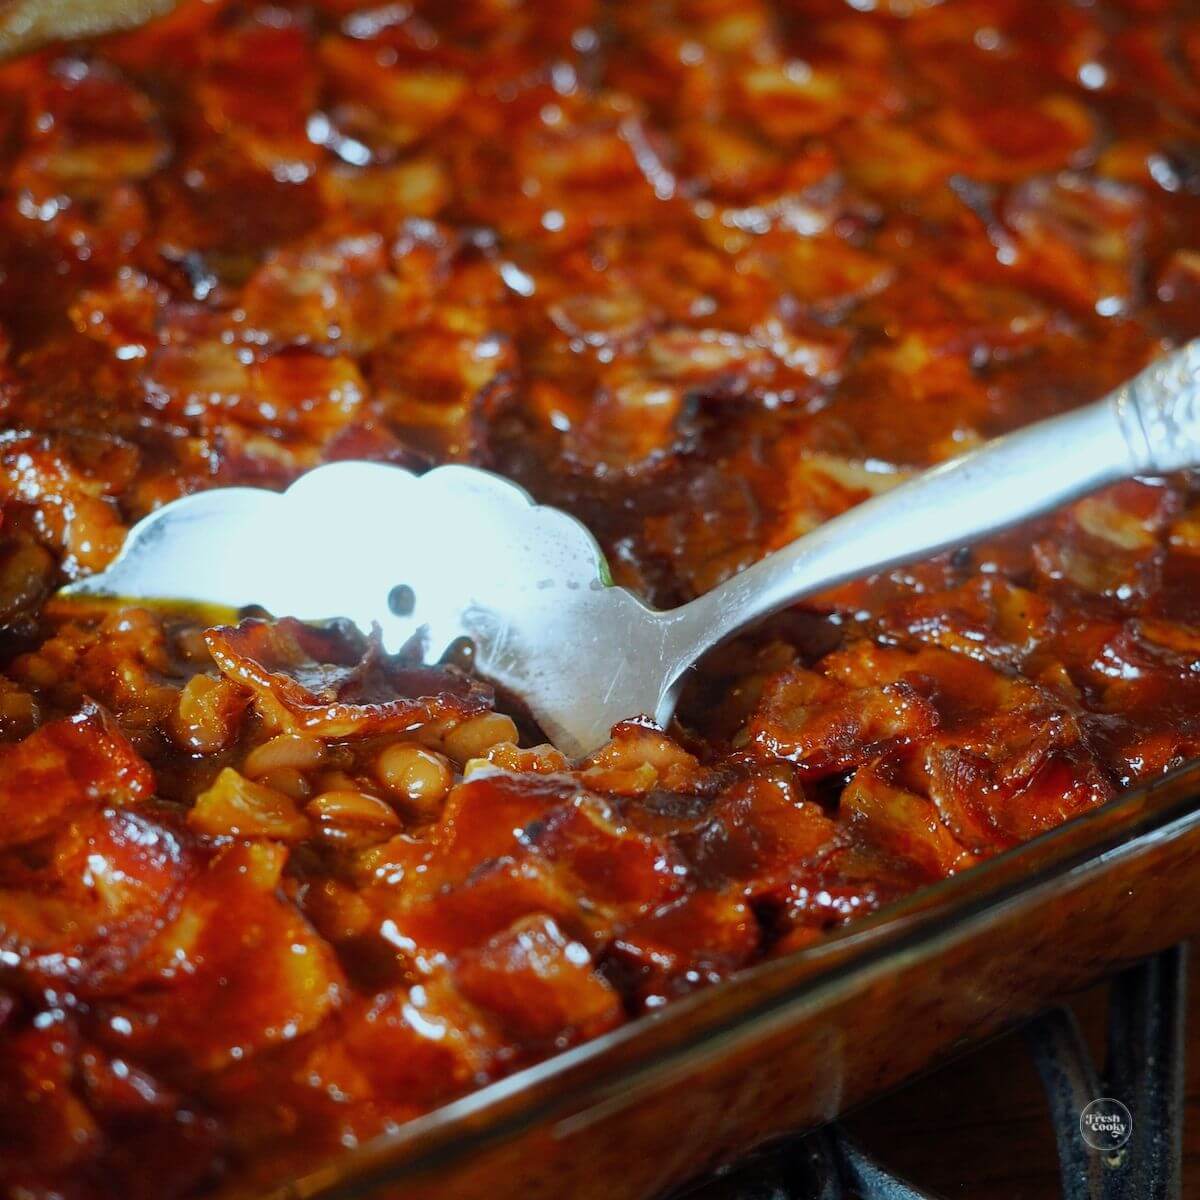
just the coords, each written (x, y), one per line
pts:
(706, 274)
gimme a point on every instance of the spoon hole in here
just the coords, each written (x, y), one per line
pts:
(460, 653)
(402, 600)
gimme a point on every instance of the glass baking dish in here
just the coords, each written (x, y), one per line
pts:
(793, 1042)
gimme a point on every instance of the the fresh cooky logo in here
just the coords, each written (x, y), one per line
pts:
(1106, 1124)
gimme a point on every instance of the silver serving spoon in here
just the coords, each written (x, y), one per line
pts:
(459, 552)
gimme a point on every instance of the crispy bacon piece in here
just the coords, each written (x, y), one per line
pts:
(256, 87)
(823, 728)
(58, 1131)
(637, 758)
(1079, 238)
(68, 479)
(334, 684)
(901, 823)
(238, 970)
(757, 838)
(507, 846)
(1018, 776)
(85, 879)
(84, 916)
(422, 1044)
(684, 945)
(539, 984)
(339, 292)
(64, 769)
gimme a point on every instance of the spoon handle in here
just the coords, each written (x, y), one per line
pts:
(1150, 425)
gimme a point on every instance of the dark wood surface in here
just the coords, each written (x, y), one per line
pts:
(980, 1130)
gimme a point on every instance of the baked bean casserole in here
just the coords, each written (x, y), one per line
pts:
(704, 273)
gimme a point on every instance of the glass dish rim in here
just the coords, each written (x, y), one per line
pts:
(608, 1068)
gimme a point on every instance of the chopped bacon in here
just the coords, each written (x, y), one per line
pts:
(334, 686)
(823, 728)
(68, 480)
(684, 945)
(901, 823)
(236, 971)
(65, 769)
(539, 984)
(84, 915)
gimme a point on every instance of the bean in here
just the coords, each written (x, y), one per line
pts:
(290, 750)
(477, 735)
(414, 774)
(346, 815)
(289, 781)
